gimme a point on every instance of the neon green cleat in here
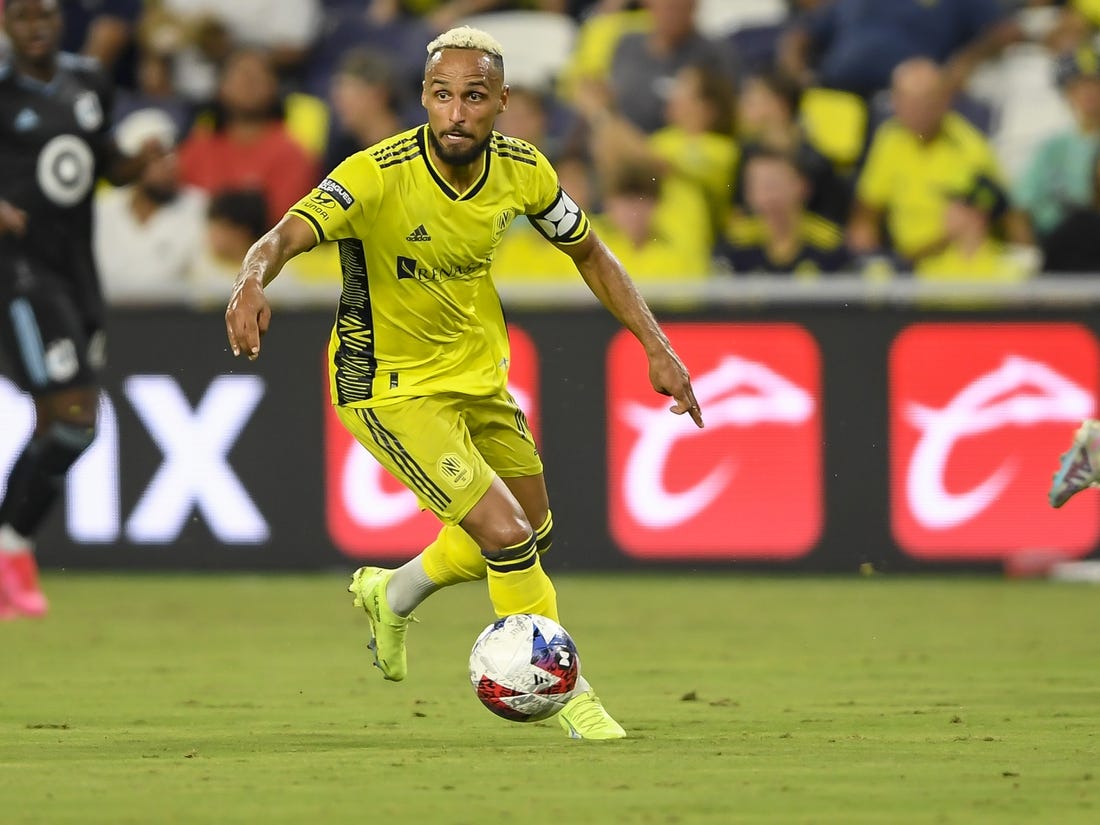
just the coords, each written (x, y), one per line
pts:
(1080, 465)
(584, 717)
(387, 629)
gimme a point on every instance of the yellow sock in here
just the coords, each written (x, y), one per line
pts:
(520, 585)
(544, 536)
(453, 557)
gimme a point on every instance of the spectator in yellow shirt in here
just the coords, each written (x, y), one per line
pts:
(695, 154)
(917, 156)
(653, 241)
(768, 108)
(973, 253)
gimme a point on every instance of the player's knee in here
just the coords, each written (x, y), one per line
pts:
(508, 542)
(62, 443)
(544, 535)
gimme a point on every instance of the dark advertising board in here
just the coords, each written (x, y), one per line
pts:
(835, 437)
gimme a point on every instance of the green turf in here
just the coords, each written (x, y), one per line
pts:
(251, 700)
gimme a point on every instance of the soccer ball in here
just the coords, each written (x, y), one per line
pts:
(524, 667)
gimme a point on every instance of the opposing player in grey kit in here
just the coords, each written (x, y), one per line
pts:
(54, 145)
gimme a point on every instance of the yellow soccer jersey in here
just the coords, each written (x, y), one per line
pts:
(418, 312)
(910, 179)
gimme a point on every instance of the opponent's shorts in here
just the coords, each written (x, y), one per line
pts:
(447, 448)
(47, 340)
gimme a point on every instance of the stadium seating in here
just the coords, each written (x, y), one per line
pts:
(718, 18)
(836, 123)
(517, 31)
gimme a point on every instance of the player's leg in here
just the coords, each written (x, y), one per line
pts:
(47, 344)
(517, 503)
(501, 434)
(517, 582)
(530, 492)
(454, 557)
(424, 443)
(1080, 465)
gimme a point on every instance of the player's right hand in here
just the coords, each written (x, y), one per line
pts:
(247, 318)
(13, 220)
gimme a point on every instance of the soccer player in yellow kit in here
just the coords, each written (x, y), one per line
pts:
(419, 350)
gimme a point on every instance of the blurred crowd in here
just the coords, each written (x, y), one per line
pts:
(708, 139)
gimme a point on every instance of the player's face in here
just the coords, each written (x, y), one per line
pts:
(34, 28)
(463, 94)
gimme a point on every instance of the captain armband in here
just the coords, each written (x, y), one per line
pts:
(563, 222)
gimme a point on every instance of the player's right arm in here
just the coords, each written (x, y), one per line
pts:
(249, 313)
(329, 212)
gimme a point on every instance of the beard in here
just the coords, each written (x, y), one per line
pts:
(455, 156)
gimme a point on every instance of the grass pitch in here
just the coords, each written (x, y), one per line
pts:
(251, 699)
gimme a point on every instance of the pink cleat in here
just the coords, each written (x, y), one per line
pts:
(19, 591)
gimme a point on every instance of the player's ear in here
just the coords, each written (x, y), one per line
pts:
(424, 93)
(503, 105)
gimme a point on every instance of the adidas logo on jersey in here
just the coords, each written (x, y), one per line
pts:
(418, 234)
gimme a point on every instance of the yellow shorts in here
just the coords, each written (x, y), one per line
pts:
(447, 448)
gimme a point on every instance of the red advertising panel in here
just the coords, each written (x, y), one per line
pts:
(979, 414)
(370, 514)
(749, 485)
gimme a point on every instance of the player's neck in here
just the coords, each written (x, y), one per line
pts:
(461, 177)
(42, 70)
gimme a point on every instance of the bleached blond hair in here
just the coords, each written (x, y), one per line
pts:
(467, 37)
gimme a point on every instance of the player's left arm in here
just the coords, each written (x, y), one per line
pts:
(609, 282)
(559, 219)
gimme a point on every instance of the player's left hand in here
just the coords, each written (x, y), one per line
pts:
(247, 318)
(669, 376)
